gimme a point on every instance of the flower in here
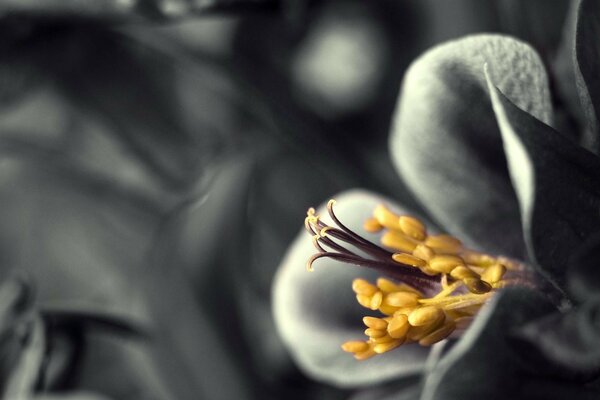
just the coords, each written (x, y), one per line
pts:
(476, 141)
(441, 285)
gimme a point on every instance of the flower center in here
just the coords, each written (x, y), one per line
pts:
(434, 285)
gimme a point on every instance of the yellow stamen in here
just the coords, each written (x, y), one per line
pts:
(375, 323)
(424, 315)
(398, 241)
(376, 300)
(408, 259)
(372, 225)
(444, 244)
(375, 333)
(445, 263)
(361, 286)
(439, 334)
(364, 300)
(401, 299)
(398, 326)
(494, 273)
(412, 227)
(411, 315)
(370, 352)
(385, 347)
(423, 252)
(355, 347)
(386, 218)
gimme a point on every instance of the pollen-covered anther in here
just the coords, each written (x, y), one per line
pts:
(439, 334)
(363, 287)
(375, 323)
(398, 241)
(372, 225)
(408, 259)
(494, 273)
(444, 244)
(412, 227)
(401, 299)
(425, 315)
(445, 263)
(398, 326)
(386, 217)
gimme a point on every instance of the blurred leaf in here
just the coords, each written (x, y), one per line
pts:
(569, 340)
(587, 65)
(71, 396)
(557, 184)
(70, 315)
(25, 373)
(584, 270)
(119, 10)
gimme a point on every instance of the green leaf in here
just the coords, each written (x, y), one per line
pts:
(557, 184)
(587, 65)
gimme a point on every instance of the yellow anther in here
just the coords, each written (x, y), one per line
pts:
(423, 252)
(375, 333)
(387, 309)
(398, 241)
(416, 333)
(403, 311)
(478, 259)
(429, 271)
(494, 273)
(401, 299)
(383, 339)
(385, 347)
(463, 272)
(370, 352)
(438, 334)
(445, 263)
(361, 286)
(386, 218)
(425, 315)
(444, 244)
(364, 300)
(387, 286)
(412, 227)
(476, 285)
(376, 300)
(398, 326)
(375, 323)
(355, 346)
(408, 259)
(372, 225)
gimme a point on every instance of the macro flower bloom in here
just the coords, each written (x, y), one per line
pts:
(476, 141)
(438, 286)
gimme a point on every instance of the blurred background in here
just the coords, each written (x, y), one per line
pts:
(158, 157)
